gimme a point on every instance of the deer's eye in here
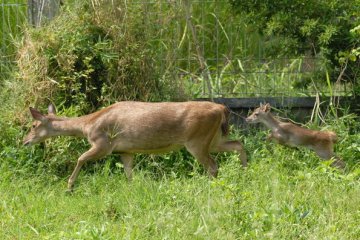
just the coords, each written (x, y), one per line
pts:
(33, 126)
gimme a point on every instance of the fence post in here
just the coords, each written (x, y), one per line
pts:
(40, 11)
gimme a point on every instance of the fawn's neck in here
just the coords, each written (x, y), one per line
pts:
(270, 121)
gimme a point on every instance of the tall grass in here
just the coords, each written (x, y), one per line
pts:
(12, 18)
(235, 54)
(283, 194)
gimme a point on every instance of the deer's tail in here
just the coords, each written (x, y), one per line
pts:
(225, 121)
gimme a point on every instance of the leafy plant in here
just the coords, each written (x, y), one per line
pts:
(12, 18)
(89, 59)
(317, 28)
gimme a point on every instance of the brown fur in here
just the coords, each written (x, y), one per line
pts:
(139, 127)
(225, 122)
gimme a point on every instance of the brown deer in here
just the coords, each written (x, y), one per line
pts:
(289, 134)
(138, 127)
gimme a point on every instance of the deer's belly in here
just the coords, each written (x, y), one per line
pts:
(149, 148)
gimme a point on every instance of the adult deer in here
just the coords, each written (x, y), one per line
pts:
(289, 134)
(139, 127)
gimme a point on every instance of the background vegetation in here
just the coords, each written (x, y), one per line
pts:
(329, 29)
(12, 15)
(95, 53)
(284, 193)
(114, 50)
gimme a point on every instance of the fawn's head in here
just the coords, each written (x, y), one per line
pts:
(42, 126)
(259, 113)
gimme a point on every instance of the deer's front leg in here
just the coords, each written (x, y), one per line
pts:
(93, 154)
(270, 137)
(278, 138)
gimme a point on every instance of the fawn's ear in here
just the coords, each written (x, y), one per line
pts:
(51, 109)
(267, 107)
(37, 115)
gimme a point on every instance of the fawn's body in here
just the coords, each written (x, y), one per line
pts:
(289, 134)
(138, 127)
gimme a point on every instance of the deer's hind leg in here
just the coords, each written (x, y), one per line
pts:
(201, 152)
(228, 146)
(326, 153)
(127, 160)
(203, 156)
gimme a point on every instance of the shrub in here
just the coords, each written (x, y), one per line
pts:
(89, 58)
(322, 28)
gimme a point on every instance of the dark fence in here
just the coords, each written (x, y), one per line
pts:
(299, 109)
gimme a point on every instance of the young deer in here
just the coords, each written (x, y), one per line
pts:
(139, 127)
(289, 134)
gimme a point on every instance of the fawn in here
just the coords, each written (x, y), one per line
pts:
(289, 134)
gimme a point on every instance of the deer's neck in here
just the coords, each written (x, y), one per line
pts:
(69, 127)
(271, 122)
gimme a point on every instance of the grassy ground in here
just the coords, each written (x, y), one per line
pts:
(283, 194)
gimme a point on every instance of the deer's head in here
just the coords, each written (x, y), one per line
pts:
(41, 128)
(259, 114)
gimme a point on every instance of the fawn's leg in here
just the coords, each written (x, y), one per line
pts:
(327, 154)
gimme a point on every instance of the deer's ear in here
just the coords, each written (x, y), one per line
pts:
(51, 109)
(267, 107)
(37, 115)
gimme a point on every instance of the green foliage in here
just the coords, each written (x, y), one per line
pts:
(283, 194)
(96, 53)
(12, 18)
(90, 59)
(308, 27)
(105, 54)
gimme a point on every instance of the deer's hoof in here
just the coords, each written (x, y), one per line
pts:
(339, 164)
(69, 191)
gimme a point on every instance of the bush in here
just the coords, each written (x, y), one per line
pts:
(319, 28)
(89, 58)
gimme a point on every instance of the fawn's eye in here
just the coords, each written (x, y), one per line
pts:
(33, 126)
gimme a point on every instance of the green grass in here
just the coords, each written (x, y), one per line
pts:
(12, 17)
(283, 194)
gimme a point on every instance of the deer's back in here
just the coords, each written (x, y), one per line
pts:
(149, 124)
(304, 136)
